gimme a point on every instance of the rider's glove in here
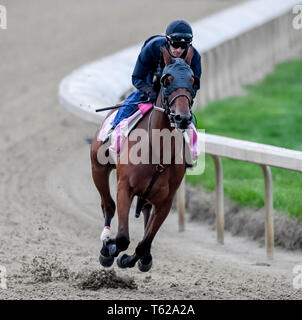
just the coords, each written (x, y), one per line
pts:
(150, 93)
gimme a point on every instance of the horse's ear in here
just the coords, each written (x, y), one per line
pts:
(189, 56)
(166, 56)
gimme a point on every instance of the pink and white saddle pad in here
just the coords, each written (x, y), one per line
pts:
(123, 129)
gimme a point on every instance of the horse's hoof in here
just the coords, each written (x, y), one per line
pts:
(144, 267)
(106, 261)
(121, 261)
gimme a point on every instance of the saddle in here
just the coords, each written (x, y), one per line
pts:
(123, 129)
(118, 135)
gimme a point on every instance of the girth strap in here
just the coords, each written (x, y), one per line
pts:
(142, 199)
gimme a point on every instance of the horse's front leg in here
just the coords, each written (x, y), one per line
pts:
(100, 175)
(145, 262)
(143, 250)
(124, 200)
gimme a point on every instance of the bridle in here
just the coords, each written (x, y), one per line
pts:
(182, 74)
(167, 105)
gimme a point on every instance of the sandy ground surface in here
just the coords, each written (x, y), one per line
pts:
(50, 218)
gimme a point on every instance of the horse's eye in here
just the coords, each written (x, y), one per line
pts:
(167, 80)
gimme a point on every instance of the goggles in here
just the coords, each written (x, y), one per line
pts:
(179, 41)
(177, 44)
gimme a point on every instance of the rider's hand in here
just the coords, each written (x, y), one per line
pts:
(150, 93)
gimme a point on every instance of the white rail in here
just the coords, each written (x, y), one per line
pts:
(261, 154)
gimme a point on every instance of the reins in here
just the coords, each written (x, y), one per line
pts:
(160, 168)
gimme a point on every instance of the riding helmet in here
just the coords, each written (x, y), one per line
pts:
(180, 31)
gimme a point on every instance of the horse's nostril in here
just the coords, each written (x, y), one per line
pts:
(178, 118)
(182, 121)
(183, 118)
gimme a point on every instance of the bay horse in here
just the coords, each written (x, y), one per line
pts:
(154, 184)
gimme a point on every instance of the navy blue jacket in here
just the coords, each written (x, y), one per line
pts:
(149, 58)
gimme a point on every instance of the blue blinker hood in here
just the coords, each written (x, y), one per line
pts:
(182, 73)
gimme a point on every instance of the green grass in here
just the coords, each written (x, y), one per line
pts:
(270, 113)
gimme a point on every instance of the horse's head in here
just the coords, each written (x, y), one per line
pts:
(178, 89)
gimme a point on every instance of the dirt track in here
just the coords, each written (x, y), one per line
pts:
(49, 215)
